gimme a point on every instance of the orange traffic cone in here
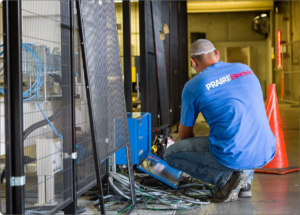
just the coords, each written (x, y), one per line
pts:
(279, 164)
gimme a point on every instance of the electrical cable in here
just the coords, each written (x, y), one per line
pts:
(53, 128)
(33, 91)
(41, 123)
(81, 153)
(120, 184)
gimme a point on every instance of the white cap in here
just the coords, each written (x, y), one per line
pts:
(201, 46)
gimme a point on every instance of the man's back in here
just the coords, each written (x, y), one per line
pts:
(230, 99)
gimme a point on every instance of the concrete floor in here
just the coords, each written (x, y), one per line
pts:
(272, 194)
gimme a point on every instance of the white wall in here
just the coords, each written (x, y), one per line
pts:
(39, 29)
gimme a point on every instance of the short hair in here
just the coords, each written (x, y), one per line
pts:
(201, 46)
(203, 57)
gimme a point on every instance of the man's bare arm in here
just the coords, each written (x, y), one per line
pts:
(185, 132)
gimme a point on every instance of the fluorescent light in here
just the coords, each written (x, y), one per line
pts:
(121, 0)
(279, 59)
(204, 6)
(263, 15)
(257, 17)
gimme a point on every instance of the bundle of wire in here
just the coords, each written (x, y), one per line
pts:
(167, 198)
(81, 153)
(34, 90)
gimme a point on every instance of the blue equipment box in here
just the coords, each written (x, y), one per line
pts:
(139, 126)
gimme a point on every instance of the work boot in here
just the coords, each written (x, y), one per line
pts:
(230, 191)
(245, 192)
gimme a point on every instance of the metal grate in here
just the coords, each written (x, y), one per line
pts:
(85, 166)
(105, 78)
(46, 105)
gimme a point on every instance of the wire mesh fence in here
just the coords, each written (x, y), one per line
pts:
(290, 64)
(46, 105)
(85, 166)
(105, 77)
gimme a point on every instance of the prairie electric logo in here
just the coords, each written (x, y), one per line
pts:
(226, 79)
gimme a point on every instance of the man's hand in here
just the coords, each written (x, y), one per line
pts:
(185, 132)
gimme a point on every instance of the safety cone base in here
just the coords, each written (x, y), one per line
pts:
(278, 171)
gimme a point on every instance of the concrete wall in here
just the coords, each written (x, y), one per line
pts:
(234, 29)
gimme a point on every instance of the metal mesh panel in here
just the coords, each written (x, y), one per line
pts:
(85, 166)
(105, 78)
(2, 118)
(290, 64)
(46, 105)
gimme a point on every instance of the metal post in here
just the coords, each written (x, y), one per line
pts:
(14, 108)
(183, 40)
(127, 55)
(160, 64)
(95, 150)
(131, 176)
(7, 87)
(144, 56)
(72, 207)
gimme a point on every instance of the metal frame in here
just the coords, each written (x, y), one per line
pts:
(95, 150)
(166, 19)
(14, 113)
(147, 32)
(183, 43)
(144, 56)
(7, 86)
(175, 93)
(13, 106)
(84, 62)
(149, 89)
(127, 55)
(160, 64)
(72, 207)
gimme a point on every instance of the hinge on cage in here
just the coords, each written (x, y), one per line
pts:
(72, 156)
(17, 181)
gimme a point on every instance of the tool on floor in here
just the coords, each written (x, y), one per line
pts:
(279, 164)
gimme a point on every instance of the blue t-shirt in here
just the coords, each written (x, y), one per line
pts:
(230, 98)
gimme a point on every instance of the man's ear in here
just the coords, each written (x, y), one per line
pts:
(193, 62)
(218, 54)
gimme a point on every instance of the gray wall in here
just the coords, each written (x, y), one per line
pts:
(234, 29)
